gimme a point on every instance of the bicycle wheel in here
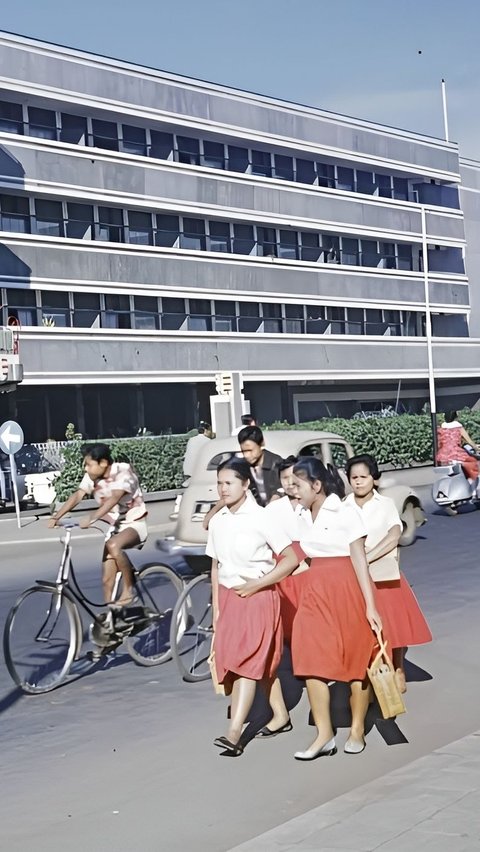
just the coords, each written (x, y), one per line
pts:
(40, 639)
(191, 632)
(158, 587)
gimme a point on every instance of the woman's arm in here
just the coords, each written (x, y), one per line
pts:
(287, 563)
(388, 543)
(359, 561)
(215, 592)
(467, 439)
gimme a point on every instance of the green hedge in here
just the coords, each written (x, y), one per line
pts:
(398, 441)
(403, 440)
(158, 462)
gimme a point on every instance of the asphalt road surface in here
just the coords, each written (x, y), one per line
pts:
(122, 759)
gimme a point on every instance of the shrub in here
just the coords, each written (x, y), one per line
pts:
(157, 462)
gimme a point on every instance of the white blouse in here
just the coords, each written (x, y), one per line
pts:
(379, 516)
(284, 516)
(331, 533)
(243, 543)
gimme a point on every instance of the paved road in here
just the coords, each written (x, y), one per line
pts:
(124, 756)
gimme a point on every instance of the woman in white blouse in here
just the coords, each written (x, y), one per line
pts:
(403, 621)
(248, 632)
(333, 631)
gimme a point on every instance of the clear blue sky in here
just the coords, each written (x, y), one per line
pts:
(356, 58)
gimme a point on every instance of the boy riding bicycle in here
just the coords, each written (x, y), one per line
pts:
(115, 486)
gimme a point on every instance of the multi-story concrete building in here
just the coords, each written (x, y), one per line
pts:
(157, 229)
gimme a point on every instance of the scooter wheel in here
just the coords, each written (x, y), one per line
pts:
(451, 510)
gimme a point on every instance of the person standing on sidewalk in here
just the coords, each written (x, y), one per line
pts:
(333, 631)
(194, 445)
(403, 621)
(248, 638)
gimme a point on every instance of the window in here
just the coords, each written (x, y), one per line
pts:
(86, 310)
(365, 182)
(213, 155)
(117, 312)
(387, 256)
(392, 320)
(288, 245)
(140, 229)
(14, 214)
(326, 175)
(294, 322)
(305, 171)
(374, 321)
(134, 140)
(316, 322)
(331, 248)
(173, 313)
(355, 321)
(405, 258)
(272, 318)
(110, 224)
(336, 317)
(167, 233)
(400, 188)
(283, 167)
(22, 306)
(73, 129)
(42, 123)
(49, 218)
(384, 185)
(310, 249)
(200, 318)
(105, 134)
(55, 309)
(262, 163)
(219, 239)
(162, 145)
(249, 316)
(193, 236)
(225, 318)
(349, 251)
(345, 179)
(80, 221)
(243, 239)
(238, 160)
(339, 454)
(266, 242)
(370, 255)
(188, 150)
(11, 117)
(146, 312)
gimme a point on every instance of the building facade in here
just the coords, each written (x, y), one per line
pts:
(155, 230)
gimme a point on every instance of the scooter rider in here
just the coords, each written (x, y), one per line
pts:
(451, 440)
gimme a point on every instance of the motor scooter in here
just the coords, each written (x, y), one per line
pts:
(451, 488)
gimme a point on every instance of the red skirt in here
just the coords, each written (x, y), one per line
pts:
(248, 635)
(331, 637)
(404, 623)
(289, 590)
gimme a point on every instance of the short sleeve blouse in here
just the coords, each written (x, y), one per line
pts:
(379, 515)
(337, 524)
(243, 543)
(284, 516)
(121, 477)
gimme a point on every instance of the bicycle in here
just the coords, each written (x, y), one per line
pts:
(191, 629)
(43, 634)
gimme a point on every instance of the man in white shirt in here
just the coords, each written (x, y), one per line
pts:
(194, 445)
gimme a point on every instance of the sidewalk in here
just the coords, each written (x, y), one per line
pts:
(431, 805)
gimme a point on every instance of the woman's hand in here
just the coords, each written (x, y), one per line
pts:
(374, 619)
(249, 587)
(51, 523)
(85, 523)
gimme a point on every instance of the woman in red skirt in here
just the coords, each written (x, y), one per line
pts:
(248, 632)
(332, 635)
(403, 621)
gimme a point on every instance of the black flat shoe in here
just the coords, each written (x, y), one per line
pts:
(229, 749)
(267, 732)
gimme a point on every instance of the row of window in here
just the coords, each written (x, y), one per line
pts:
(165, 145)
(95, 310)
(112, 224)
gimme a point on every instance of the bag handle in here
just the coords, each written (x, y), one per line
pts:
(382, 648)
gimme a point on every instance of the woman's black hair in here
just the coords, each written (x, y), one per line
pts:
(242, 471)
(311, 468)
(284, 464)
(368, 461)
(450, 416)
(97, 452)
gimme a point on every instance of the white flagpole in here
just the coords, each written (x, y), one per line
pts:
(445, 116)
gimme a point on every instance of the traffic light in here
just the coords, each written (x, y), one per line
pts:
(223, 383)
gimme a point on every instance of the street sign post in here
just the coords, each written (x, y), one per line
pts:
(11, 441)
